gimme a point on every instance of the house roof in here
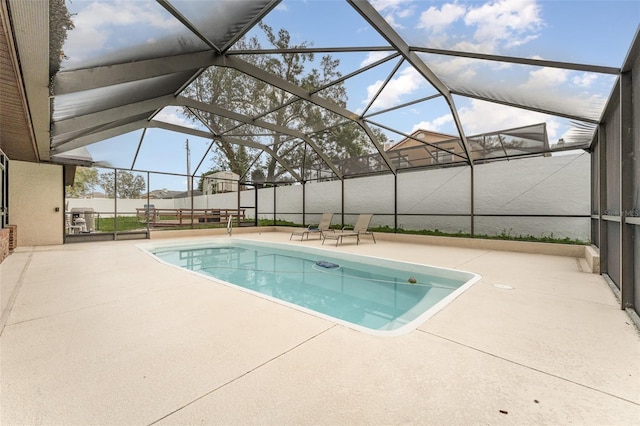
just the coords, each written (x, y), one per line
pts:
(435, 137)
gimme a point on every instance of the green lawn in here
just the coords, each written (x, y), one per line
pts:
(130, 223)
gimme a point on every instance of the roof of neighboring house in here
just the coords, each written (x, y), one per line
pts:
(427, 136)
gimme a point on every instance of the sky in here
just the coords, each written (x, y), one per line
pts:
(585, 32)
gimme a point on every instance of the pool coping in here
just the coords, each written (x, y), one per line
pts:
(552, 249)
(415, 267)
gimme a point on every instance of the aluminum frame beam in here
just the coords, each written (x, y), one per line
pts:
(379, 24)
(110, 115)
(92, 78)
(280, 83)
(521, 61)
(528, 108)
(187, 102)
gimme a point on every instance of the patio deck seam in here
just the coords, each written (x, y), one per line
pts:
(14, 294)
(575, 299)
(88, 307)
(243, 374)
(473, 258)
(636, 403)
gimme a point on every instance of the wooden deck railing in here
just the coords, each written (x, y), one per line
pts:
(182, 217)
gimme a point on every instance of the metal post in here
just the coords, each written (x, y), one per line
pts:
(238, 215)
(395, 203)
(274, 205)
(255, 203)
(115, 204)
(148, 209)
(304, 196)
(472, 195)
(342, 202)
(602, 202)
(190, 190)
(626, 191)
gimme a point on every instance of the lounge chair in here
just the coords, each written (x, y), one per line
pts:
(360, 228)
(323, 226)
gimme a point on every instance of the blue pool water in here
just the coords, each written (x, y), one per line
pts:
(369, 294)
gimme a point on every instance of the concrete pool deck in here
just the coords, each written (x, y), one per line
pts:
(102, 333)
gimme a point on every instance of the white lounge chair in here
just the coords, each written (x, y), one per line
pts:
(360, 228)
(323, 226)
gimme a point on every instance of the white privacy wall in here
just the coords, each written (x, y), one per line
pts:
(441, 198)
(558, 185)
(433, 199)
(429, 199)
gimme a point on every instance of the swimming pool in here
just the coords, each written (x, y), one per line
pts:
(373, 295)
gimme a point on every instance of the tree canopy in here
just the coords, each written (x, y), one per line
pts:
(128, 184)
(255, 98)
(85, 181)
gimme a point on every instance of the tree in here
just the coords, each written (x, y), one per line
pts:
(84, 183)
(491, 144)
(228, 87)
(252, 97)
(128, 185)
(59, 24)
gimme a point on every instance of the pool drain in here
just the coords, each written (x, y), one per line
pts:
(327, 265)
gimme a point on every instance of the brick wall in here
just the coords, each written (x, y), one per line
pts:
(13, 237)
(8, 241)
(4, 244)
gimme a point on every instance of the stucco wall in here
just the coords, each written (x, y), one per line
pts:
(35, 190)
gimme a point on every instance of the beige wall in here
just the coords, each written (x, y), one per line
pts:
(35, 190)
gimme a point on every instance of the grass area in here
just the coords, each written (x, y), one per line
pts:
(504, 235)
(129, 223)
(125, 223)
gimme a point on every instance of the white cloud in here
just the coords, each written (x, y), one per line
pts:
(434, 19)
(392, 9)
(456, 69)
(381, 5)
(97, 25)
(405, 13)
(495, 25)
(504, 20)
(544, 79)
(435, 125)
(391, 20)
(519, 42)
(173, 115)
(120, 13)
(482, 117)
(408, 81)
(584, 80)
(479, 117)
(372, 57)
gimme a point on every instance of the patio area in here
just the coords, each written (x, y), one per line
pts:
(102, 333)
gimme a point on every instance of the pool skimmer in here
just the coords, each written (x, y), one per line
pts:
(503, 286)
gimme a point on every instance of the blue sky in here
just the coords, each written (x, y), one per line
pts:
(589, 32)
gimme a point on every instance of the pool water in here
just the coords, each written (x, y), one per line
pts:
(369, 294)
